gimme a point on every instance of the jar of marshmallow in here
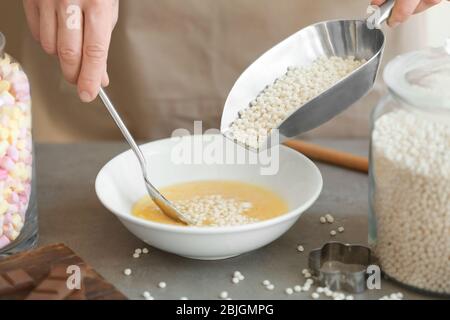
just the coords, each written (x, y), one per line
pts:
(409, 226)
(18, 212)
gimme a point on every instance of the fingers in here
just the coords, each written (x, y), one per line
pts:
(97, 37)
(377, 2)
(402, 10)
(82, 50)
(70, 41)
(116, 13)
(105, 79)
(48, 26)
(426, 4)
(32, 15)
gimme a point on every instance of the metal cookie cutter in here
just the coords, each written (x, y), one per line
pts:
(341, 266)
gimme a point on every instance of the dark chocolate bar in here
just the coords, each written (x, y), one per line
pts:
(15, 281)
(79, 294)
(55, 286)
(54, 259)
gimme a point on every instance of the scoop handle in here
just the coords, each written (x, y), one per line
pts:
(335, 157)
(381, 15)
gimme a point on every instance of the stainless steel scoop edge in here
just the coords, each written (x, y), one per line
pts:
(341, 38)
(165, 205)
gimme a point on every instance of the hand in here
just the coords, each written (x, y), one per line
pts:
(78, 32)
(403, 9)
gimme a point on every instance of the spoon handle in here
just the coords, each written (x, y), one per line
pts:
(157, 197)
(118, 120)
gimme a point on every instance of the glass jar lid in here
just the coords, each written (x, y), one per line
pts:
(422, 78)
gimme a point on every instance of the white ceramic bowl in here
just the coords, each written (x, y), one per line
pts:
(119, 185)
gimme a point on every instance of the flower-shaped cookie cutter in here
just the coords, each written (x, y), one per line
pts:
(342, 267)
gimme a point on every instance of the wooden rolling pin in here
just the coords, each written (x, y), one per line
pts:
(331, 156)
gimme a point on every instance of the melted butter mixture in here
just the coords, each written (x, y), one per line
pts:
(265, 203)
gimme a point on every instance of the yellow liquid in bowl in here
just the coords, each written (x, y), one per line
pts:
(266, 204)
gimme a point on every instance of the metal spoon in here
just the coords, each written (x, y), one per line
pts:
(343, 38)
(165, 205)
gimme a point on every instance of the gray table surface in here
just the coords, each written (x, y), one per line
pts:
(70, 212)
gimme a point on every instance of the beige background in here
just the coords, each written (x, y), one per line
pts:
(173, 62)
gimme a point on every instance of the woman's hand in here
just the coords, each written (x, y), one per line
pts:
(403, 9)
(78, 32)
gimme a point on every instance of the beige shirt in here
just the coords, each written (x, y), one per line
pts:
(174, 61)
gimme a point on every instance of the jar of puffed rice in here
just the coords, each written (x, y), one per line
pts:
(18, 212)
(410, 172)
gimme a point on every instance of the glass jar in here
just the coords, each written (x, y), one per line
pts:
(18, 211)
(409, 223)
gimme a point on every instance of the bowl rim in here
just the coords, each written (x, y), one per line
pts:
(211, 230)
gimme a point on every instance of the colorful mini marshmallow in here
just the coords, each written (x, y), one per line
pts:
(15, 149)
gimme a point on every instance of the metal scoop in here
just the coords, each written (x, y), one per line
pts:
(165, 205)
(341, 38)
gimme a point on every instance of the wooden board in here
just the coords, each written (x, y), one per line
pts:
(37, 264)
